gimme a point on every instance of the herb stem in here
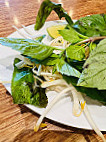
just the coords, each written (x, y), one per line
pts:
(91, 39)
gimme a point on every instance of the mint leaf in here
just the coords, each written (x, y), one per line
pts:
(69, 34)
(94, 74)
(28, 47)
(75, 52)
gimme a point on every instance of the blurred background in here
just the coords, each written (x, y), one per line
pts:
(16, 12)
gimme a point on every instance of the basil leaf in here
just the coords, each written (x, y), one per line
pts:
(64, 68)
(28, 47)
(45, 9)
(50, 61)
(75, 52)
(22, 88)
(94, 74)
(94, 25)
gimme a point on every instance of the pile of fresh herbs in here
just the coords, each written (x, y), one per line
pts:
(83, 63)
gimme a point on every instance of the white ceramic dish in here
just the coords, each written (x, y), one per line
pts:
(62, 111)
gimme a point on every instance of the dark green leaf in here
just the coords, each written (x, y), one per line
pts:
(50, 61)
(76, 64)
(22, 88)
(39, 98)
(94, 74)
(45, 9)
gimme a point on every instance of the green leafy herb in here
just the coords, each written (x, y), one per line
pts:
(45, 9)
(69, 63)
(28, 47)
(71, 35)
(22, 83)
(50, 61)
(22, 88)
(94, 25)
(39, 98)
(75, 52)
(94, 74)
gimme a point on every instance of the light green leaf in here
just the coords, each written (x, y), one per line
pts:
(75, 52)
(92, 46)
(40, 38)
(64, 68)
(94, 74)
(69, 34)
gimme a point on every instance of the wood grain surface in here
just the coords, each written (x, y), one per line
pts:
(17, 121)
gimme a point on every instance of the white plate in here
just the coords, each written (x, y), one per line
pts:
(62, 111)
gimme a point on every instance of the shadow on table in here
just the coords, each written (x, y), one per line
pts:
(55, 136)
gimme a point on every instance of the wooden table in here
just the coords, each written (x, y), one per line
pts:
(17, 121)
